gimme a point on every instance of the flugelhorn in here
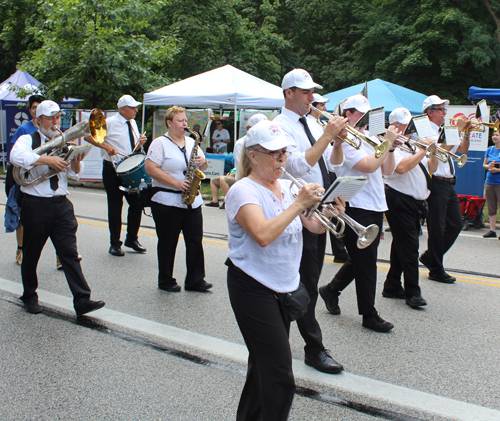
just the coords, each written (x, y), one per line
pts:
(358, 137)
(366, 235)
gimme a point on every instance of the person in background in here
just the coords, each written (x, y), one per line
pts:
(265, 246)
(338, 248)
(223, 182)
(492, 182)
(121, 138)
(167, 163)
(220, 138)
(47, 213)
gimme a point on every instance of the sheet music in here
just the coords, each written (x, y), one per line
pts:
(376, 124)
(75, 150)
(482, 110)
(346, 186)
(451, 135)
(423, 126)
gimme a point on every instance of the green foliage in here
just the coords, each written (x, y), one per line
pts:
(97, 50)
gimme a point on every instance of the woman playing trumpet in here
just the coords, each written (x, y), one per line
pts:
(265, 241)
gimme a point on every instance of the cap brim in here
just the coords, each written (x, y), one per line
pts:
(276, 144)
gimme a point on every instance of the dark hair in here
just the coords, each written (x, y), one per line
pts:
(293, 88)
(352, 110)
(35, 98)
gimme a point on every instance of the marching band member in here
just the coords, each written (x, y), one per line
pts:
(47, 212)
(338, 249)
(167, 162)
(406, 190)
(311, 156)
(121, 137)
(265, 243)
(444, 221)
(367, 208)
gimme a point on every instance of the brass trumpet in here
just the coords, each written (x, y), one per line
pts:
(461, 160)
(476, 123)
(366, 235)
(430, 149)
(358, 137)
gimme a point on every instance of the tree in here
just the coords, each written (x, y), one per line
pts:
(97, 50)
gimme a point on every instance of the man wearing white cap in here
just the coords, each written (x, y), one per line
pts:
(121, 138)
(367, 208)
(312, 156)
(46, 212)
(444, 221)
(406, 190)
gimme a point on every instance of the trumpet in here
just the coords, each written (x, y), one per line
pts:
(335, 223)
(461, 160)
(358, 137)
(430, 149)
(476, 125)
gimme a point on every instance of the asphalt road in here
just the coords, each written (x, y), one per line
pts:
(152, 355)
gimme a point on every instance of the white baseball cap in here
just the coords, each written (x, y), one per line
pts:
(128, 101)
(299, 78)
(268, 135)
(48, 108)
(359, 102)
(320, 99)
(434, 100)
(252, 121)
(400, 115)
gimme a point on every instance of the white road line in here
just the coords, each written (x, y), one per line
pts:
(347, 382)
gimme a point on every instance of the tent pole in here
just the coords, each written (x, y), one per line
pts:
(143, 114)
(235, 123)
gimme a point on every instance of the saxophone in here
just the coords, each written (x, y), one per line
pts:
(193, 174)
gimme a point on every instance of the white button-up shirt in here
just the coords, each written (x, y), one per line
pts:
(297, 165)
(117, 135)
(443, 168)
(23, 156)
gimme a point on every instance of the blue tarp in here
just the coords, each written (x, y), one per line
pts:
(484, 93)
(381, 93)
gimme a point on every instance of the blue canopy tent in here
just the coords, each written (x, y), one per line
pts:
(381, 93)
(14, 110)
(484, 93)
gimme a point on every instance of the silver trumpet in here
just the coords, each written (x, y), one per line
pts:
(336, 221)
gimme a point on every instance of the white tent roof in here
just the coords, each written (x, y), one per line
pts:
(225, 87)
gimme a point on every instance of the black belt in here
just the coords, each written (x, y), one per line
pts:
(53, 199)
(451, 180)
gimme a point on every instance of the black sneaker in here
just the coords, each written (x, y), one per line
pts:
(376, 323)
(32, 306)
(490, 234)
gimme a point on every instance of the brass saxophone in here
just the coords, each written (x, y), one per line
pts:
(193, 174)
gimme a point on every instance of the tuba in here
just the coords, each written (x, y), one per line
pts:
(95, 126)
(193, 174)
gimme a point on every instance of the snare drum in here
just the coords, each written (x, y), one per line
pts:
(131, 170)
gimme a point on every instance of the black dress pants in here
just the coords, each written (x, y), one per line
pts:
(444, 223)
(404, 216)
(361, 264)
(270, 387)
(313, 255)
(169, 222)
(115, 196)
(55, 218)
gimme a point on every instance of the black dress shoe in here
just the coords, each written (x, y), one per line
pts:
(424, 260)
(322, 361)
(341, 258)
(443, 278)
(170, 288)
(331, 299)
(416, 301)
(32, 306)
(376, 323)
(389, 294)
(201, 286)
(135, 245)
(116, 251)
(88, 306)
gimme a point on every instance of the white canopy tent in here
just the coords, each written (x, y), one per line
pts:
(223, 88)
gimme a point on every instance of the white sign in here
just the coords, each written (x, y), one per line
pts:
(478, 140)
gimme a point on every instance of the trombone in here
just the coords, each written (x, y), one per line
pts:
(358, 137)
(366, 235)
(476, 125)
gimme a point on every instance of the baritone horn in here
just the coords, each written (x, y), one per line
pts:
(358, 137)
(336, 221)
(95, 126)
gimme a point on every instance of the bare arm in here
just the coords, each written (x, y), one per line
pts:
(154, 170)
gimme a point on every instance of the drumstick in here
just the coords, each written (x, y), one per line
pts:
(138, 143)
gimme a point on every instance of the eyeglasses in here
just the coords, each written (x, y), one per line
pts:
(443, 110)
(277, 154)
